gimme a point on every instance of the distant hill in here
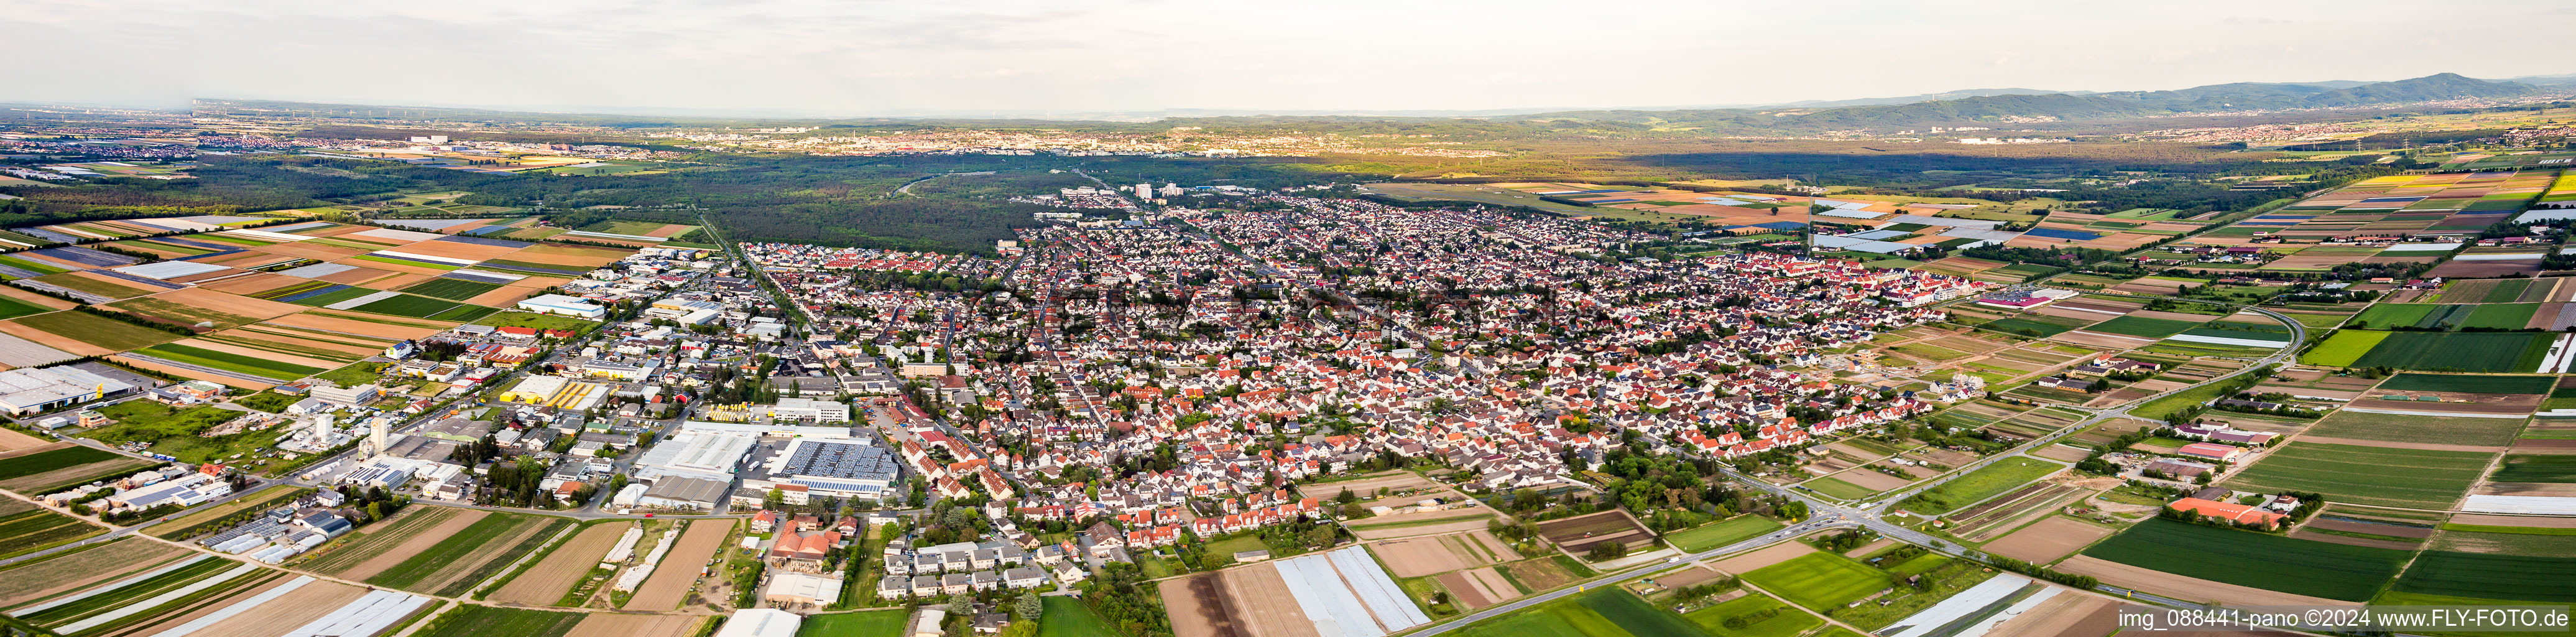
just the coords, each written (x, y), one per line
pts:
(2005, 107)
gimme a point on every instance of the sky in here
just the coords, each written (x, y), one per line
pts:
(975, 57)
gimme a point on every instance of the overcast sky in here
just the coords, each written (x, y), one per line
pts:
(968, 56)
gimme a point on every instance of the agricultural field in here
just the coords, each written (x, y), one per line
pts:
(1722, 533)
(1820, 581)
(2470, 383)
(2245, 558)
(456, 563)
(2485, 352)
(2412, 478)
(1983, 483)
(473, 620)
(228, 361)
(1607, 612)
(1577, 534)
(101, 334)
(452, 289)
(1065, 616)
(1762, 617)
(2530, 578)
(2558, 469)
(866, 623)
(26, 529)
(2415, 428)
(425, 308)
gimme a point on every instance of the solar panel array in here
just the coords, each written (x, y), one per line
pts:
(840, 460)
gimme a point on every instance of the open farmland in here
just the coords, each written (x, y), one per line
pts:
(482, 621)
(551, 577)
(80, 567)
(30, 530)
(1820, 581)
(2465, 351)
(2365, 475)
(2413, 428)
(671, 579)
(1732, 530)
(2532, 578)
(1579, 533)
(2559, 469)
(457, 562)
(1607, 612)
(1983, 483)
(102, 334)
(2244, 558)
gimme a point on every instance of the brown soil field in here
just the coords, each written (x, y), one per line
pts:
(14, 292)
(2554, 446)
(310, 251)
(1579, 533)
(2457, 269)
(354, 276)
(1693, 575)
(1492, 545)
(183, 372)
(263, 354)
(349, 326)
(2098, 339)
(2062, 453)
(2194, 588)
(2539, 489)
(670, 581)
(426, 537)
(669, 230)
(1258, 599)
(1420, 516)
(1419, 556)
(2047, 540)
(625, 625)
(290, 337)
(2066, 614)
(457, 250)
(1953, 459)
(1367, 487)
(254, 284)
(1854, 451)
(2427, 446)
(567, 255)
(1762, 557)
(1494, 584)
(489, 552)
(1197, 606)
(12, 440)
(1467, 591)
(1462, 526)
(502, 296)
(138, 288)
(305, 604)
(539, 282)
(1540, 574)
(2536, 522)
(2330, 538)
(229, 303)
(1872, 480)
(83, 569)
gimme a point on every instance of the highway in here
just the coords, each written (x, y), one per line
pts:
(1823, 515)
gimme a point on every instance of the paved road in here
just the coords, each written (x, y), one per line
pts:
(1823, 515)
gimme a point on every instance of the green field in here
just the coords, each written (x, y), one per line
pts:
(2536, 468)
(866, 623)
(278, 370)
(2259, 560)
(96, 330)
(31, 265)
(34, 530)
(452, 553)
(334, 296)
(419, 307)
(475, 620)
(2387, 315)
(2343, 347)
(2467, 352)
(1983, 483)
(121, 596)
(1837, 489)
(13, 308)
(64, 458)
(1763, 617)
(2470, 383)
(1722, 533)
(452, 289)
(1604, 612)
(2142, 326)
(2502, 316)
(2492, 576)
(515, 318)
(1820, 581)
(2410, 478)
(2412, 428)
(1069, 617)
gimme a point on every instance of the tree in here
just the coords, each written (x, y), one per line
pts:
(1029, 607)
